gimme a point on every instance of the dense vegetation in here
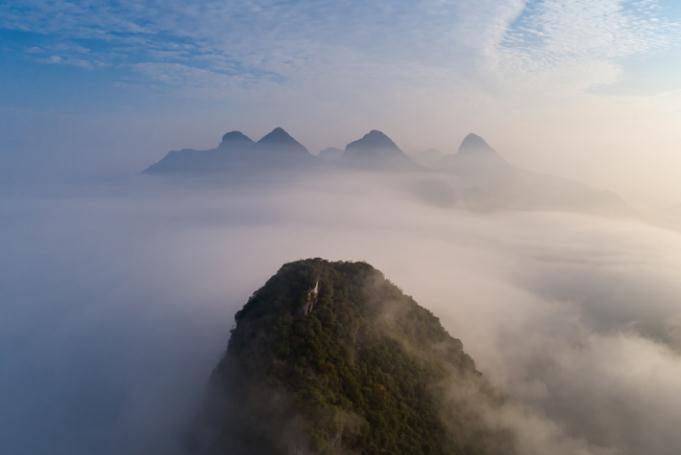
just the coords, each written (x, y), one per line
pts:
(333, 358)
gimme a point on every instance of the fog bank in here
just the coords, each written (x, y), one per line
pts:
(118, 298)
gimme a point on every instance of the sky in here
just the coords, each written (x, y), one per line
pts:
(118, 290)
(589, 90)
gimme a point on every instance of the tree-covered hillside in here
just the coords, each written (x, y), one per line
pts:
(332, 358)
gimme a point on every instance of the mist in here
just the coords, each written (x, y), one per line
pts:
(118, 297)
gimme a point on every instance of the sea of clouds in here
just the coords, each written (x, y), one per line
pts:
(117, 299)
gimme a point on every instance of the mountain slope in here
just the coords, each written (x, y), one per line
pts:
(330, 357)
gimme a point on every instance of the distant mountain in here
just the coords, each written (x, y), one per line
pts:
(484, 180)
(332, 358)
(474, 145)
(236, 152)
(235, 140)
(278, 149)
(474, 156)
(376, 151)
(477, 176)
(234, 147)
(280, 142)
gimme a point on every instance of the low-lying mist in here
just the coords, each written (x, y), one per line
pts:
(118, 297)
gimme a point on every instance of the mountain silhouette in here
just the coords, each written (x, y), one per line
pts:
(232, 150)
(474, 144)
(235, 140)
(474, 156)
(236, 153)
(278, 140)
(476, 177)
(376, 151)
(332, 358)
(484, 180)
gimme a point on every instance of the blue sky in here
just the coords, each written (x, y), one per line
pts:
(427, 70)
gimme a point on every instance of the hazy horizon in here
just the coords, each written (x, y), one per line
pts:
(587, 90)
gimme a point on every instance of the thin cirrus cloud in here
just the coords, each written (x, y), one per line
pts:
(280, 41)
(555, 38)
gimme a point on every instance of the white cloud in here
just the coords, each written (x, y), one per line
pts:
(558, 43)
(105, 284)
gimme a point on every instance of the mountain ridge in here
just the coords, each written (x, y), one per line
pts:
(476, 177)
(236, 152)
